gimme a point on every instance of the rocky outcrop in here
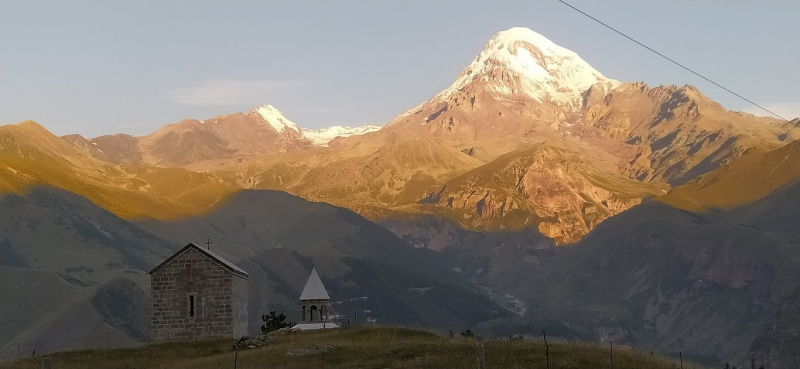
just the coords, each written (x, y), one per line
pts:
(552, 188)
(676, 133)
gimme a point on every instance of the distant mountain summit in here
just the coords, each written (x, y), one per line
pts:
(319, 137)
(521, 61)
(522, 89)
(275, 119)
(221, 140)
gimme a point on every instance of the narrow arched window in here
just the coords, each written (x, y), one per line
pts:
(303, 314)
(313, 311)
(323, 313)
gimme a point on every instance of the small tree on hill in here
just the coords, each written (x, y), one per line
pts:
(273, 322)
(468, 333)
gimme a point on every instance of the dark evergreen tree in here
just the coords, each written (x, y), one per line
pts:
(273, 322)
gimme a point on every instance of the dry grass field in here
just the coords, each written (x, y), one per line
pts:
(357, 347)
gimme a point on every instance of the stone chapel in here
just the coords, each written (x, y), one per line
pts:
(197, 294)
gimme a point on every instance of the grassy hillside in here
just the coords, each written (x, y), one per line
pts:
(59, 256)
(42, 311)
(744, 181)
(31, 156)
(391, 176)
(55, 230)
(358, 347)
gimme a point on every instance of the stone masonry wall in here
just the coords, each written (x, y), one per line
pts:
(318, 317)
(193, 274)
(240, 322)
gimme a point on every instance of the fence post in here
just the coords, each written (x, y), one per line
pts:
(236, 359)
(680, 354)
(546, 348)
(481, 356)
(19, 353)
(611, 344)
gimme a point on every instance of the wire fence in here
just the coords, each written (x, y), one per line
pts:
(303, 353)
(21, 350)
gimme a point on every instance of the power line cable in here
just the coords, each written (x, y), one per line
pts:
(674, 62)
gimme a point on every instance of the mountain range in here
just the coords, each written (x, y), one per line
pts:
(534, 190)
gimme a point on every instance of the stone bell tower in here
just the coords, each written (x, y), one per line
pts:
(315, 309)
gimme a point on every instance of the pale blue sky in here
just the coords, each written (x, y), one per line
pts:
(98, 67)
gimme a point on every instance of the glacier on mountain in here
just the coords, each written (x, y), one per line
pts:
(521, 61)
(318, 137)
(274, 117)
(321, 137)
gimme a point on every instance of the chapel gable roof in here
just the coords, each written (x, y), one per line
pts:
(207, 253)
(314, 290)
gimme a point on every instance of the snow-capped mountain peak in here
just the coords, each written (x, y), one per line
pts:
(318, 137)
(521, 61)
(321, 137)
(274, 117)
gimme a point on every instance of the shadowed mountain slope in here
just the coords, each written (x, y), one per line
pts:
(276, 237)
(41, 312)
(55, 230)
(659, 277)
(61, 256)
(720, 280)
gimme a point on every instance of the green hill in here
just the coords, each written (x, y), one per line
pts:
(358, 347)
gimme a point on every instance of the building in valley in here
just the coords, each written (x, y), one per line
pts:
(197, 294)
